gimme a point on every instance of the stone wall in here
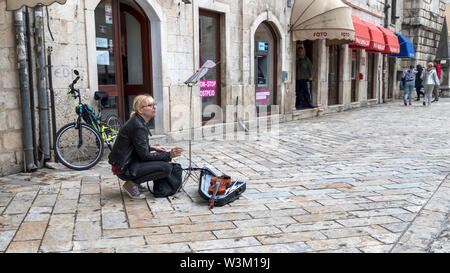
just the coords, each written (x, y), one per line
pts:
(422, 23)
(11, 155)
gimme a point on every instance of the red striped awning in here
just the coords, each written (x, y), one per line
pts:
(391, 41)
(377, 44)
(362, 34)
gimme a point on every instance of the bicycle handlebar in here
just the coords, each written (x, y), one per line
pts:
(76, 80)
(71, 86)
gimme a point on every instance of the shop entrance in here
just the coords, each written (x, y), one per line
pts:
(355, 74)
(309, 53)
(370, 75)
(123, 53)
(333, 75)
(210, 85)
(391, 85)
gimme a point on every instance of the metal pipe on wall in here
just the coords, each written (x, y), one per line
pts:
(41, 82)
(19, 24)
(31, 81)
(52, 96)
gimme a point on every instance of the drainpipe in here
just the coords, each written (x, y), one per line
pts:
(52, 95)
(27, 136)
(30, 82)
(41, 83)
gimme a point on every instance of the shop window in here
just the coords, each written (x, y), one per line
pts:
(210, 50)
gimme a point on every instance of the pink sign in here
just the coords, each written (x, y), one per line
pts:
(208, 88)
(262, 95)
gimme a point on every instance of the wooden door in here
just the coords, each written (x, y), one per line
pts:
(123, 52)
(333, 75)
(354, 74)
(370, 75)
(136, 58)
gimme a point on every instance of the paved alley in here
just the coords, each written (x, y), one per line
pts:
(374, 179)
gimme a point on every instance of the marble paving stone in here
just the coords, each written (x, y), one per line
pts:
(24, 247)
(169, 238)
(332, 183)
(29, 231)
(6, 237)
(223, 243)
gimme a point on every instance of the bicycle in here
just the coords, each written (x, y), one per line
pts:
(79, 145)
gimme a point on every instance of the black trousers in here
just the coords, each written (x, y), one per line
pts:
(419, 92)
(140, 172)
(302, 89)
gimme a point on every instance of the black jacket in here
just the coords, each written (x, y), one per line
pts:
(132, 143)
(419, 81)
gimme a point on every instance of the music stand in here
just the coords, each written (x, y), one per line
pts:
(190, 82)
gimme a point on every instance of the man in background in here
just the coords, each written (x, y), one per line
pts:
(304, 75)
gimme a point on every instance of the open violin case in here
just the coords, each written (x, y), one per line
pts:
(233, 191)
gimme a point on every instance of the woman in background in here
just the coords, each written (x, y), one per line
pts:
(430, 80)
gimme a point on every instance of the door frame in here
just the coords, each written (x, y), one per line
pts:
(119, 88)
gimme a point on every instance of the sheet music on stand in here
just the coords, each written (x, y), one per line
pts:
(191, 81)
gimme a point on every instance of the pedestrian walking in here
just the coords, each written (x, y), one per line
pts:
(430, 80)
(132, 158)
(409, 78)
(304, 75)
(436, 90)
(419, 82)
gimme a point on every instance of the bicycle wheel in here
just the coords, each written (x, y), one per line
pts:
(76, 155)
(114, 124)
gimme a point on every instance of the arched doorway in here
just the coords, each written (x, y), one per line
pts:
(124, 65)
(266, 66)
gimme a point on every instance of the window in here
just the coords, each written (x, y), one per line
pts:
(210, 50)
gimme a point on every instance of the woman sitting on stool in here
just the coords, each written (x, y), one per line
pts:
(131, 157)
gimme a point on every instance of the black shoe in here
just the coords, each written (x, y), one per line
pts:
(310, 106)
(404, 101)
(418, 99)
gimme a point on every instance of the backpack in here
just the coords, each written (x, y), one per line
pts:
(170, 185)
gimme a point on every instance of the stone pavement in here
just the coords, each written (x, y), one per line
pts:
(368, 180)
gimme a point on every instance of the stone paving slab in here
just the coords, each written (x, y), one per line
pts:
(372, 180)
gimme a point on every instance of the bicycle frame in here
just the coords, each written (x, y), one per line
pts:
(94, 120)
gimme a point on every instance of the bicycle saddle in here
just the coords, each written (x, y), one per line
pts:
(101, 95)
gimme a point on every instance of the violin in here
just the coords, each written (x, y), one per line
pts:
(218, 186)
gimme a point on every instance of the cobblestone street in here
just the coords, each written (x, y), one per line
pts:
(374, 179)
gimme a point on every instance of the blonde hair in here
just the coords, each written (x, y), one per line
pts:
(141, 101)
(430, 64)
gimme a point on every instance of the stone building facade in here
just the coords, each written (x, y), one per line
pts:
(128, 47)
(11, 155)
(422, 22)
